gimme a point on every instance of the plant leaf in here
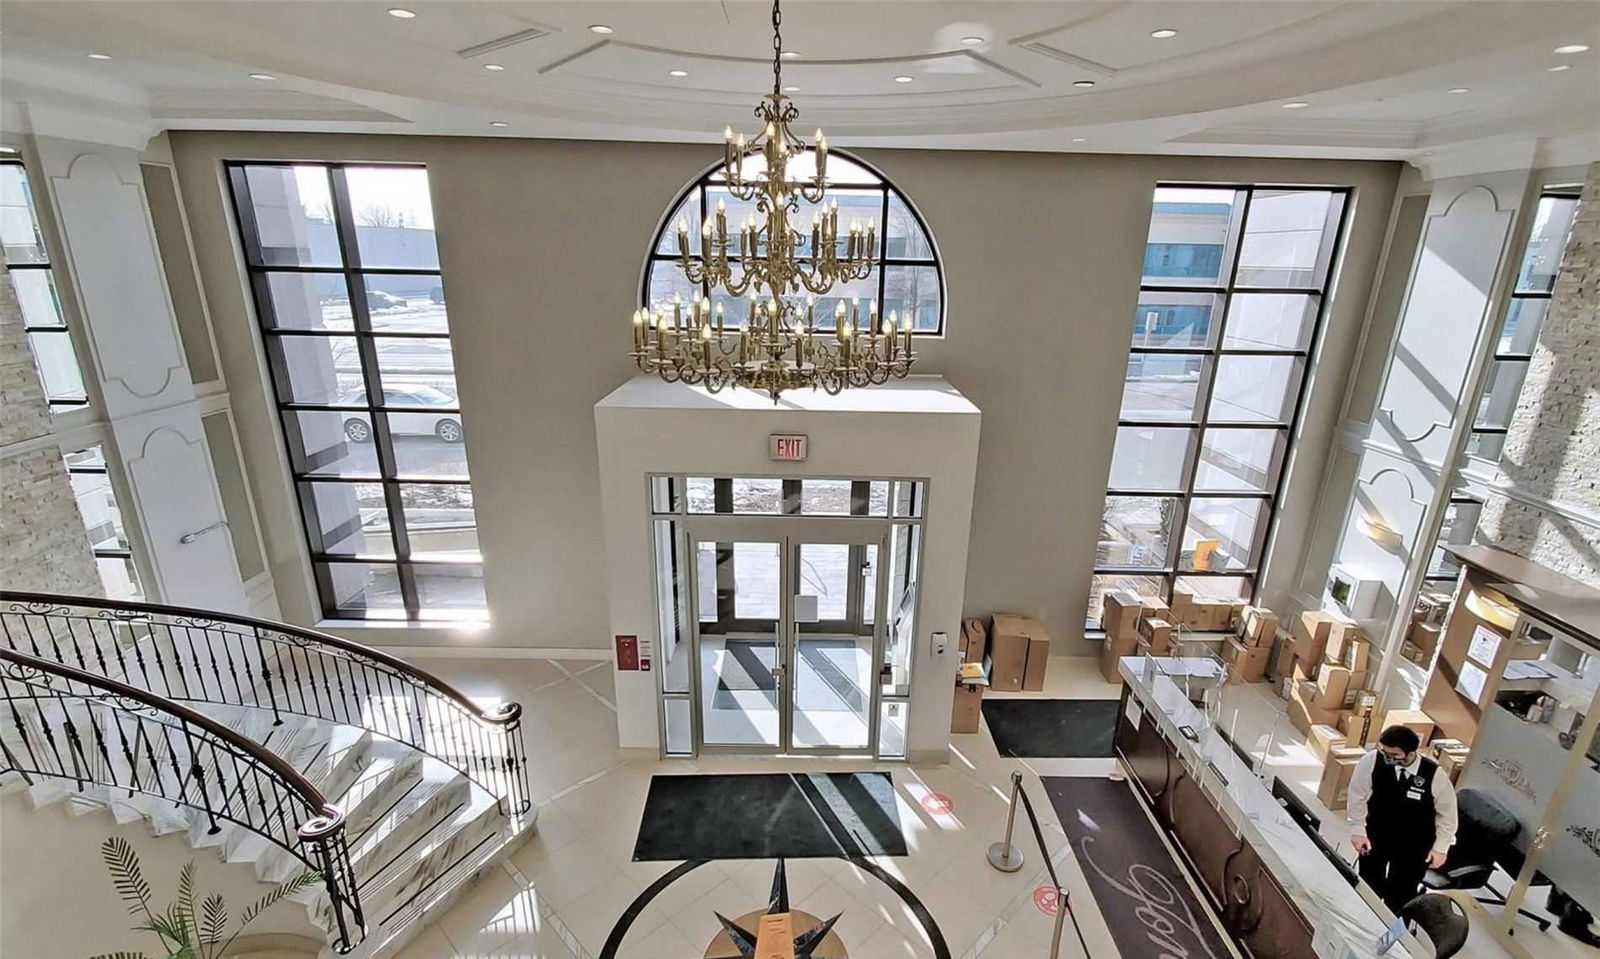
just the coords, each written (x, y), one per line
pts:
(123, 864)
(215, 910)
(286, 889)
(184, 907)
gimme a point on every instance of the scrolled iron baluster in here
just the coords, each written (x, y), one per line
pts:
(267, 675)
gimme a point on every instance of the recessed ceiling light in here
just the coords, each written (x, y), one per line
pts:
(903, 79)
(401, 13)
(601, 29)
(1085, 84)
(790, 54)
(791, 89)
(1560, 67)
(498, 123)
(677, 73)
(262, 76)
(1573, 48)
(1080, 139)
(1296, 105)
(1165, 33)
(496, 67)
(99, 56)
(973, 41)
(1459, 90)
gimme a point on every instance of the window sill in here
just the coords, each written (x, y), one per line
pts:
(403, 625)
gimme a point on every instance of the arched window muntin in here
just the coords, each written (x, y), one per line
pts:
(907, 271)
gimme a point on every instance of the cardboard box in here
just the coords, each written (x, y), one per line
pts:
(1257, 626)
(1321, 739)
(1333, 682)
(1154, 606)
(966, 709)
(1182, 610)
(1038, 659)
(1358, 730)
(1119, 614)
(1310, 634)
(1431, 608)
(974, 641)
(1008, 658)
(1356, 656)
(1248, 664)
(1156, 633)
(1305, 711)
(1334, 788)
(1341, 636)
(1113, 648)
(1418, 720)
(1366, 701)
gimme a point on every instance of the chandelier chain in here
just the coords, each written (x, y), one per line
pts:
(777, 49)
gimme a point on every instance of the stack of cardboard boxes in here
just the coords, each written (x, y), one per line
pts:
(1202, 612)
(1121, 614)
(1427, 623)
(1019, 648)
(1450, 754)
(1325, 671)
(1247, 652)
(968, 703)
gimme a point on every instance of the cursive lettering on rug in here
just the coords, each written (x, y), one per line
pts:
(1171, 926)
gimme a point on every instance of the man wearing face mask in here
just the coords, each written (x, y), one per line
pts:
(1403, 810)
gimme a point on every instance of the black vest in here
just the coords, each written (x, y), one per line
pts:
(1401, 808)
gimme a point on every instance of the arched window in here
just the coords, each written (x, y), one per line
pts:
(905, 277)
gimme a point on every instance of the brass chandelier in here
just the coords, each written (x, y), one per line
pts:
(777, 346)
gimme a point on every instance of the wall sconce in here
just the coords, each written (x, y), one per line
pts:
(1490, 611)
(1379, 532)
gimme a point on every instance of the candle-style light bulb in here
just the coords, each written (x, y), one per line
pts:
(727, 133)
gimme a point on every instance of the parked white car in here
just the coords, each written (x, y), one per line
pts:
(445, 426)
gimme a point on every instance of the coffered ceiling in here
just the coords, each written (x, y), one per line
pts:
(1375, 78)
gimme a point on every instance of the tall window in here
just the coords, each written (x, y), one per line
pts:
(346, 281)
(29, 263)
(97, 501)
(906, 275)
(1230, 308)
(1513, 351)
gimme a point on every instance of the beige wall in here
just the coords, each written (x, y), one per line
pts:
(541, 244)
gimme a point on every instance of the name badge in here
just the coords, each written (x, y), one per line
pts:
(1414, 794)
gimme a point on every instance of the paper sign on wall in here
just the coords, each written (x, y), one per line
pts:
(1485, 643)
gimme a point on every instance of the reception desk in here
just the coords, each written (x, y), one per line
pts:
(1273, 888)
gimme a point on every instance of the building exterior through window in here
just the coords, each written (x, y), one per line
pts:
(28, 261)
(1229, 314)
(351, 302)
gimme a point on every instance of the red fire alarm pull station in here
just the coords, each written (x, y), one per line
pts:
(628, 653)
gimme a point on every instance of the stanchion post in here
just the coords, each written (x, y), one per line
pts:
(1061, 922)
(1003, 855)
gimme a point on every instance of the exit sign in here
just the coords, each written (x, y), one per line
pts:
(787, 447)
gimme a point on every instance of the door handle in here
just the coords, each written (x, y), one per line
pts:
(777, 675)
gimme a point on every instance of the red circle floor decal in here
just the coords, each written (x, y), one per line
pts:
(937, 804)
(1044, 899)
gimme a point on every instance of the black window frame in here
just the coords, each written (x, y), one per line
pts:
(1200, 422)
(390, 480)
(47, 266)
(712, 177)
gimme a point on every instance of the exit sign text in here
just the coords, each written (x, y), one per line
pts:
(787, 447)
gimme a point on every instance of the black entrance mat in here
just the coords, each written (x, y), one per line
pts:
(768, 816)
(1142, 893)
(1052, 728)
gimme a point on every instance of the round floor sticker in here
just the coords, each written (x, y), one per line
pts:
(937, 804)
(1045, 900)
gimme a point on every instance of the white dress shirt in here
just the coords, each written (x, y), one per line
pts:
(1444, 798)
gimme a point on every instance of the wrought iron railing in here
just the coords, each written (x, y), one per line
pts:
(62, 723)
(192, 655)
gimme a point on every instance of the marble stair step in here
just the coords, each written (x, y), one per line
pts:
(379, 783)
(437, 799)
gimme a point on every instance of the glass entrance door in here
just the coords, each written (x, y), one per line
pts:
(787, 632)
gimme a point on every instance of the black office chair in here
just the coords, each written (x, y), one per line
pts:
(1441, 919)
(1485, 841)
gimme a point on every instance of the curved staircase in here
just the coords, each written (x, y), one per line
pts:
(276, 746)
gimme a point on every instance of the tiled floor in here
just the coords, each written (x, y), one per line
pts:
(560, 895)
